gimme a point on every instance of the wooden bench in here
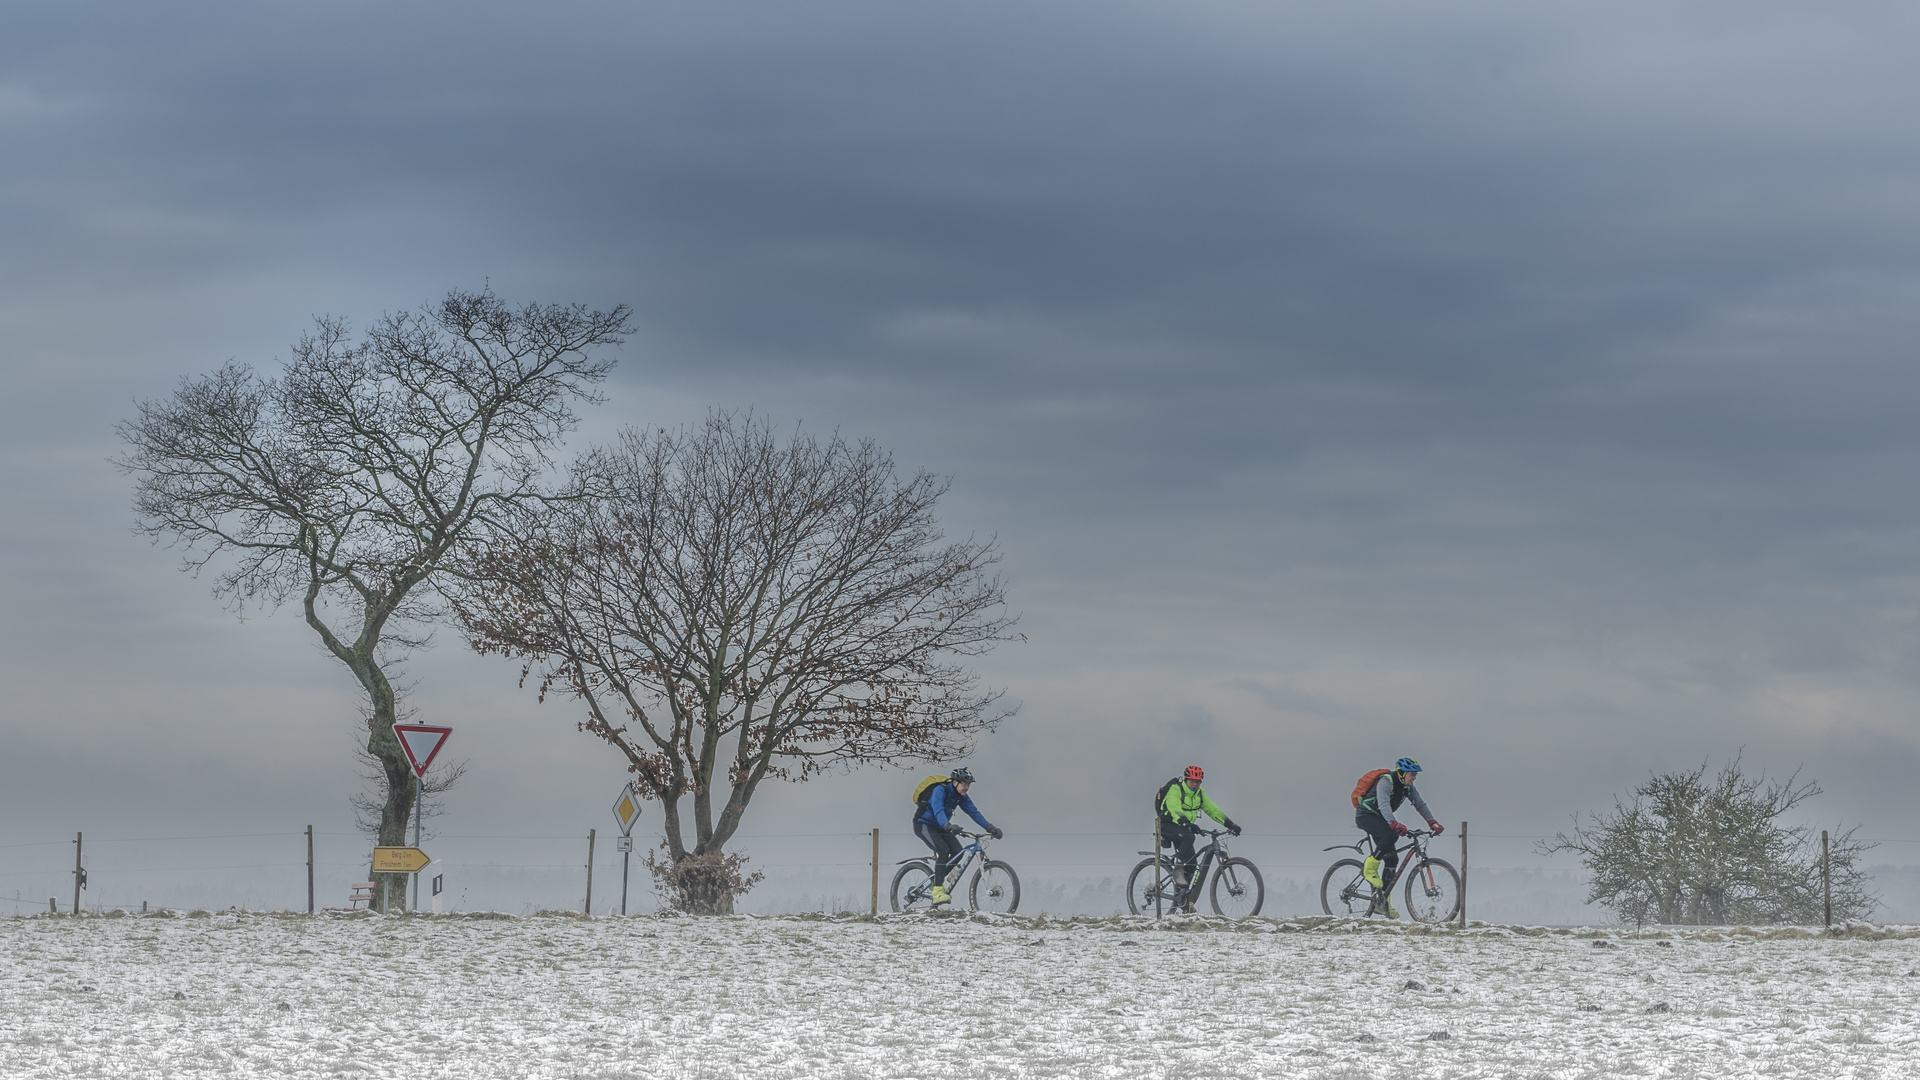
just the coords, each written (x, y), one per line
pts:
(362, 894)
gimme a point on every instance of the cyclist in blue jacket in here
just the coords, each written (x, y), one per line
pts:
(933, 823)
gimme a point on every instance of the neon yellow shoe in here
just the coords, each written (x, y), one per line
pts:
(941, 895)
(1371, 871)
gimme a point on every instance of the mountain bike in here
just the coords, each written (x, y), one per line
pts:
(1236, 890)
(1432, 885)
(995, 887)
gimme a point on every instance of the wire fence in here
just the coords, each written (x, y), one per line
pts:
(270, 870)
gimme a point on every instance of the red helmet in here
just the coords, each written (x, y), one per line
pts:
(1195, 772)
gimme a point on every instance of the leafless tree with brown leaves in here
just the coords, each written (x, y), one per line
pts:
(734, 606)
(358, 479)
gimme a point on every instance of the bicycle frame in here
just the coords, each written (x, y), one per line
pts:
(1415, 852)
(1203, 863)
(961, 863)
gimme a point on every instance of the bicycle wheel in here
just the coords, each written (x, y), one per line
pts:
(1140, 894)
(1433, 891)
(912, 887)
(996, 888)
(1237, 891)
(1344, 890)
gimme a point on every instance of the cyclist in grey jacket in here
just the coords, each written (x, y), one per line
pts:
(1373, 808)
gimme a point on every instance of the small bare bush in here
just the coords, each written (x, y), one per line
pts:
(701, 884)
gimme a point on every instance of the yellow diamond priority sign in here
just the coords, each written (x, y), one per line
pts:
(626, 810)
(399, 860)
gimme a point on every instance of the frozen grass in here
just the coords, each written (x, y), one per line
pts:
(559, 996)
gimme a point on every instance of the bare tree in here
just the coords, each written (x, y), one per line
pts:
(734, 606)
(1686, 850)
(357, 480)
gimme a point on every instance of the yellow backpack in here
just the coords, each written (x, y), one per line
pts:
(921, 789)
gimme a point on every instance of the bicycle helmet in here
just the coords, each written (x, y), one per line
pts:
(962, 775)
(1406, 764)
(1195, 772)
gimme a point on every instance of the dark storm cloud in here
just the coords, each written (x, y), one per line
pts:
(1518, 378)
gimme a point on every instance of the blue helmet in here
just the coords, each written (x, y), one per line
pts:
(1406, 764)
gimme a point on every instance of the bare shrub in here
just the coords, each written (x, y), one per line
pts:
(1685, 849)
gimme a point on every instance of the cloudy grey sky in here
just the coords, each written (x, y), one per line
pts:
(1522, 388)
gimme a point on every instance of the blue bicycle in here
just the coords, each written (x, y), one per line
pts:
(995, 887)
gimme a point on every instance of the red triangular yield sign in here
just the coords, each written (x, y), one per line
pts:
(420, 743)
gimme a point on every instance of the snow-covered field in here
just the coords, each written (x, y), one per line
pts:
(554, 996)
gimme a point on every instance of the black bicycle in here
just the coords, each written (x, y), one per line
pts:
(1432, 885)
(1236, 890)
(995, 887)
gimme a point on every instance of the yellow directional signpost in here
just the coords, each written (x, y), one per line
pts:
(399, 860)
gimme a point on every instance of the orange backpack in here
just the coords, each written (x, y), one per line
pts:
(1366, 784)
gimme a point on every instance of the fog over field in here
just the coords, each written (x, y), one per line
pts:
(1526, 389)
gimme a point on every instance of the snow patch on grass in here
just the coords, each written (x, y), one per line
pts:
(942, 996)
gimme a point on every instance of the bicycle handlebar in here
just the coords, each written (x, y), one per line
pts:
(1412, 834)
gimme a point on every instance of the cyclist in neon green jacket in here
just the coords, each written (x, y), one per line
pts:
(1180, 810)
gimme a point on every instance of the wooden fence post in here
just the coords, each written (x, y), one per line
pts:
(1826, 877)
(309, 869)
(591, 833)
(874, 898)
(79, 874)
(1157, 914)
(1463, 875)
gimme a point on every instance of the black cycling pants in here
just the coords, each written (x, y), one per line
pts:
(1383, 841)
(945, 845)
(1181, 837)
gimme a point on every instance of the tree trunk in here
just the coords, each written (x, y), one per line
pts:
(382, 743)
(398, 809)
(708, 892)
(706, 883)
(702, 879)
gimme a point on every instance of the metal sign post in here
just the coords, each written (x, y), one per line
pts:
(626, 811)
(421, 743)
(419, 789)
(624, 845)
